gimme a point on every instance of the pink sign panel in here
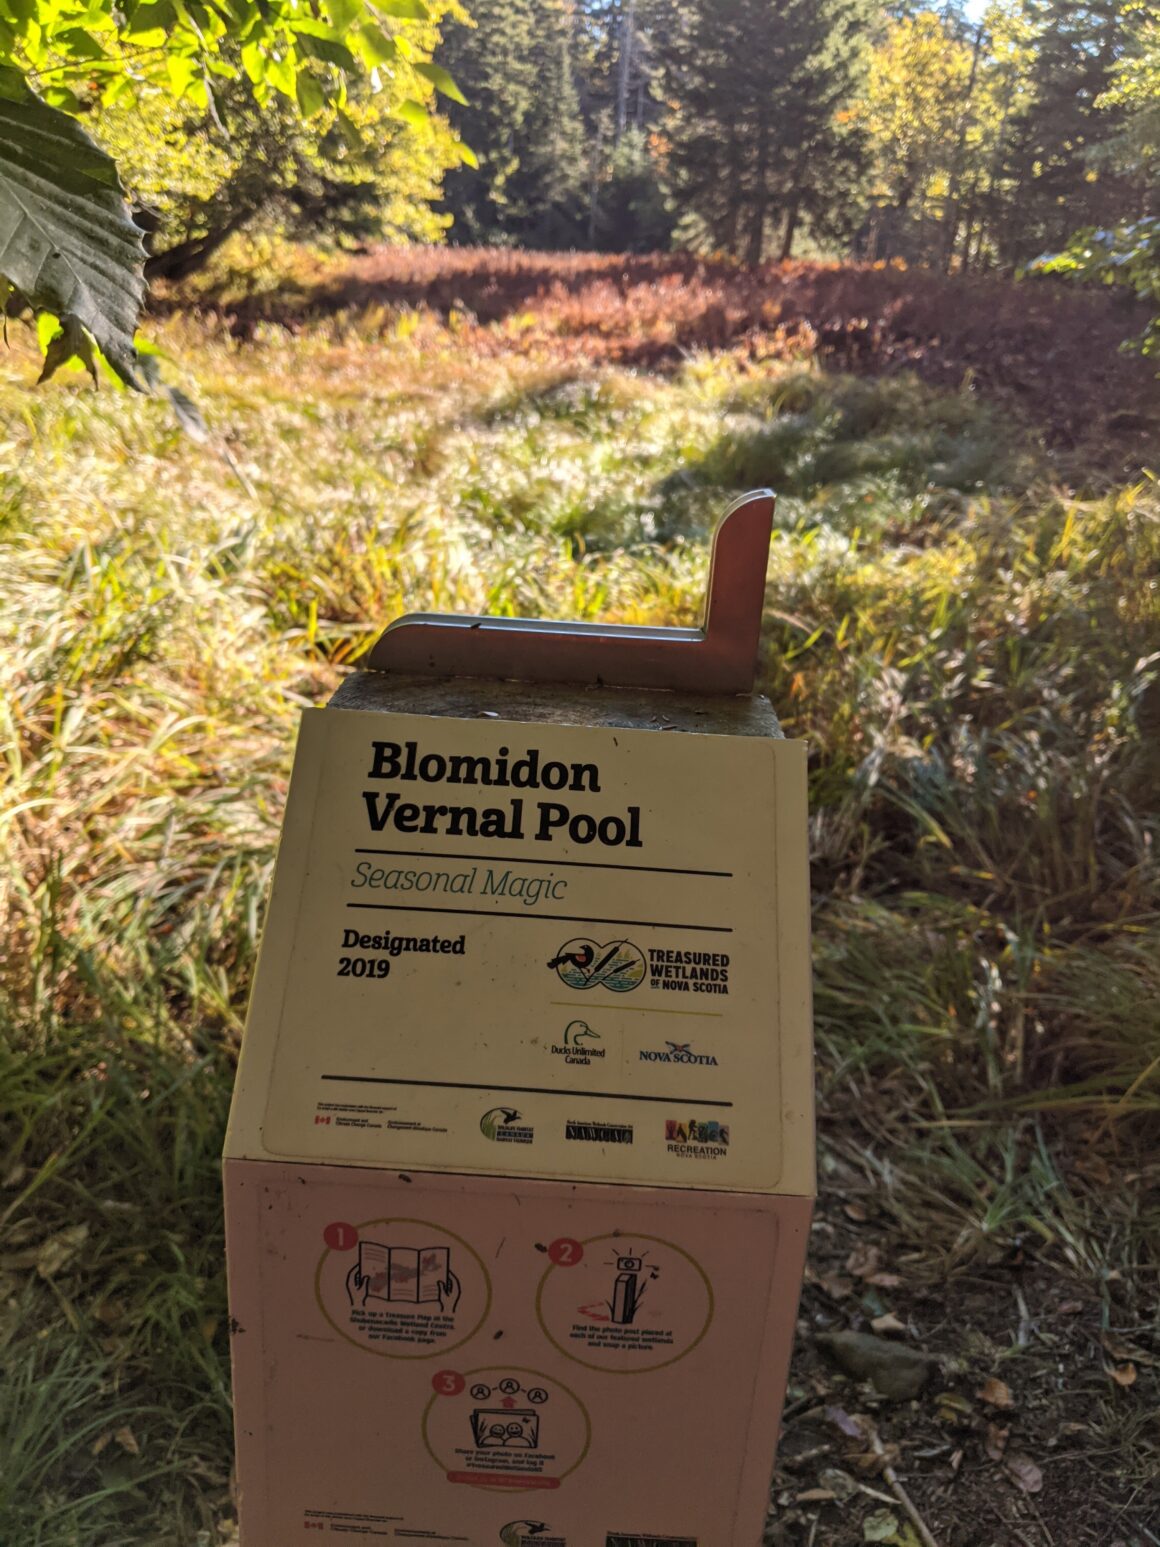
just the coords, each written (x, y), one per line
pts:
(452, 1359)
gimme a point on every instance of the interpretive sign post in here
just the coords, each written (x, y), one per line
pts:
(520, 1166)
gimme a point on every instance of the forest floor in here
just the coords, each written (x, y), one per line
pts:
(963, 621)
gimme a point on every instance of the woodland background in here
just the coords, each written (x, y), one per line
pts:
(496, 312)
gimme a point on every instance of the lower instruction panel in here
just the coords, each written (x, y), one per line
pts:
(452, 1359)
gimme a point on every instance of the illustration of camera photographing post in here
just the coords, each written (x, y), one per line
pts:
(403, 1275)
(629, 1303)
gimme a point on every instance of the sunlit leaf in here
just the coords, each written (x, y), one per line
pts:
(66, 240)
(442, 81)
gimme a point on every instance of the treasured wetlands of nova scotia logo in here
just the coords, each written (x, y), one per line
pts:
(502, 1125)
(619, 965)
(696, 1139)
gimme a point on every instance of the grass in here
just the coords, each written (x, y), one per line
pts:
(969, 649)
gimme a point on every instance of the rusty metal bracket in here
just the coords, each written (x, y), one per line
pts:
(720, 657)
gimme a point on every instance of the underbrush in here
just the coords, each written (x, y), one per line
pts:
(970, 653)
(1046, 352)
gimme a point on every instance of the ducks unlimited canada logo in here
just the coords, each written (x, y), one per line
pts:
(502, 1125)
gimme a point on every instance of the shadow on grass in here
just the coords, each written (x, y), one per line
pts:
(114, 1403)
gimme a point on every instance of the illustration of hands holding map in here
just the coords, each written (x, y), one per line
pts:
(403, 1275)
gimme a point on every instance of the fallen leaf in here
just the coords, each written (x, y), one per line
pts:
(995, 1393)
(127, 1440)
(953, 1409)
(815, 1496)
(885, 1280)
(863, 1261)
(881, 1526)
(1071, 1308)
(1113, 1345)
(1025, 1473)
(956, 1461)
(100, 1442)
(59, 1250)
(857, 1212)
(840, 1483)
(996, 1441)
(836, 1286)
(1123, 1374)
(889, 1325)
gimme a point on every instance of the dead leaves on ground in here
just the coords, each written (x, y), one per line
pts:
(995, 1393)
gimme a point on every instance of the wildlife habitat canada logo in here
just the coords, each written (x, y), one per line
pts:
(676, 1053)
(517, 1531)
(696, 1139)
(619, 965)
(502, 1125)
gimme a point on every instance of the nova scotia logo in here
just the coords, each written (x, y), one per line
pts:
(676, 1053)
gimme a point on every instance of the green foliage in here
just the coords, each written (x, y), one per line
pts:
(70, 247)
(66, 241)
(1058, 173)
(360, 173)
(760, 133)
(1134, 92)
(970, 655)
(517, 60)
(1127, 255)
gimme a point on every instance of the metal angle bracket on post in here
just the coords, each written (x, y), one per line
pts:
(720, 657)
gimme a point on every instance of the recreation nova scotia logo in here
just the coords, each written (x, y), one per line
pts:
(696, 1139)
(676, 1053)
(502, 1125)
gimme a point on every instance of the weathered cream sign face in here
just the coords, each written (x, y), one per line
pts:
(526, 949)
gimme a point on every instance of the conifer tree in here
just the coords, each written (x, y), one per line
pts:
(1057, 178)
(516, 68)
(761, 135)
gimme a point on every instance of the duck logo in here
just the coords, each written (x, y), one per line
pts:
(517, 1531)
(502, 1125)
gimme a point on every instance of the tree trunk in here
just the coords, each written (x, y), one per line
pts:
(186, 258)
(952, 214)
(756, 245)
(791, 220)
(624, 67)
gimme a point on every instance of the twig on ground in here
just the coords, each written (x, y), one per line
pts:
(903, 1497)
